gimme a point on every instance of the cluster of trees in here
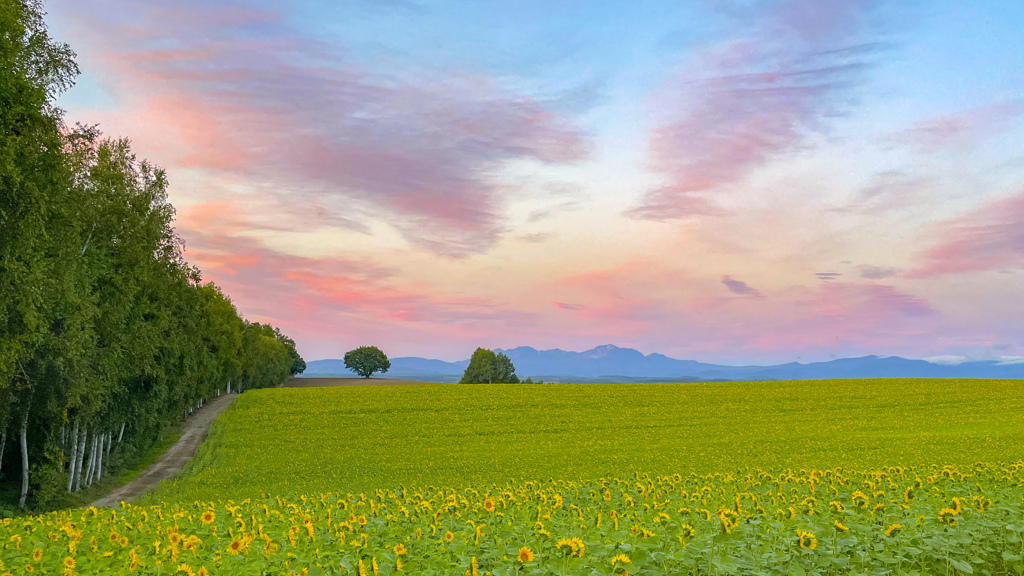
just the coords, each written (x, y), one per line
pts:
(486, 367)
(107, 335)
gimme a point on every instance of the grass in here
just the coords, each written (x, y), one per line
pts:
(306, 440)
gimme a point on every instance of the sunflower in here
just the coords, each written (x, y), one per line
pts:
(362, 520)
(620, 559)
(113, 536)
(474, 570)
(37, 554)
(123, 541)
(202, 571)
(840, 527)
(373, 564)
(235, 547)
(185, 569)
(399, 549)
(398, 564)
(806, 539)
(69, 562)
(686, 531)
(448, 536)
(361, 568)
(525, 555)
(29, 568)
(946, 516)
(893, 530)
(208, 517)
(489, 504)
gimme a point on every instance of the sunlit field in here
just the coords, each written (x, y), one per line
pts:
(829, 477)
(363, 438)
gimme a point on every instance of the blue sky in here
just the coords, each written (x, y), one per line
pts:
(731, 181)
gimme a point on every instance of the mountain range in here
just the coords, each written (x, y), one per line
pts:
(612, 364)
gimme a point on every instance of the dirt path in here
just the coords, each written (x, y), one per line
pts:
(175, 457)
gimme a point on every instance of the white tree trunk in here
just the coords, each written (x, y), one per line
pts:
(88, 460)
(99, 462)
(74, 457)
(121, 434)
(24, 458)
(229, 386)
(90, 472)
(110, 437)
(81, 458)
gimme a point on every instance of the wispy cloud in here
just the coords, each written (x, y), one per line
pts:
(741, 103)
(877, 272)
(739, 287)
(961, 128)
(990, 237)
(243, 93)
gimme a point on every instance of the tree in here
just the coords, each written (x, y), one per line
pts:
(366, 360)
(486, 367)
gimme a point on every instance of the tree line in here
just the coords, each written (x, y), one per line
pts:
(107, 334)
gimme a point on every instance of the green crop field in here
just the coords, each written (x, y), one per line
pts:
(827, 477)
(362, 438)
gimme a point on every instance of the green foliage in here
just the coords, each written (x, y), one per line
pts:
(103, 324)
(486, 367)
(366, 360)
(481, 368)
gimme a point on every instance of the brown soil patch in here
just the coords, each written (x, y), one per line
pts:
(312, 382)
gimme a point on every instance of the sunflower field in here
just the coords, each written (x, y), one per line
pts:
(854, 477)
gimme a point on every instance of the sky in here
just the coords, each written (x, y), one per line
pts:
(732, 181)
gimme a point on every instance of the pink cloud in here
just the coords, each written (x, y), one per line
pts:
(742, 103)
(325, 303)
(990, 237)
(231, 92)
(961, 128)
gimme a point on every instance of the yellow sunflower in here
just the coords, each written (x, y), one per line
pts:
(620, 559)
(525, 555)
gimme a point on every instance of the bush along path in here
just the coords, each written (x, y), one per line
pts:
(175, 457)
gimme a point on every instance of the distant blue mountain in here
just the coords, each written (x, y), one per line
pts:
(613, 364)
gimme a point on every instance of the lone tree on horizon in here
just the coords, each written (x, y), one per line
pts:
(486, 367)
(366, 360)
